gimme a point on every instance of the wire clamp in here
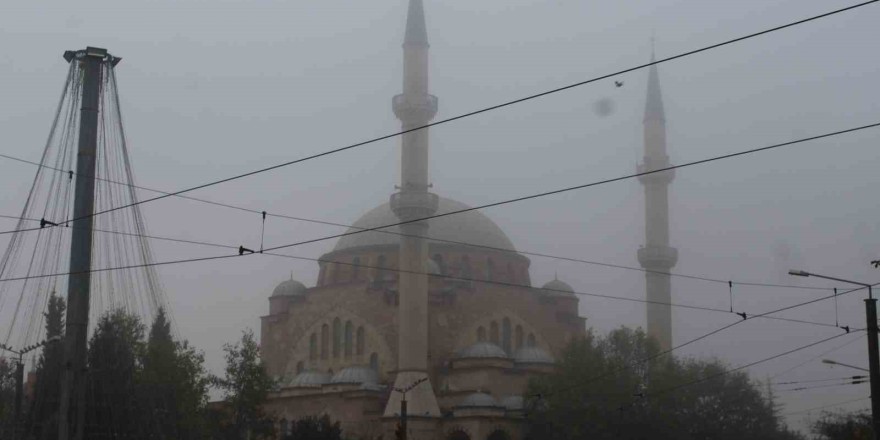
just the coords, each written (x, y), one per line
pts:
(243, 250)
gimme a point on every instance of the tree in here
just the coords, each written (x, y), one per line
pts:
(43, 415)
(314, 428)
(247, 387)
(7, 397)
(843, 426)
(603, 390)
(112, 409)
(173, 384)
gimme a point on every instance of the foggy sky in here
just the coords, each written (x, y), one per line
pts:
(215, 88)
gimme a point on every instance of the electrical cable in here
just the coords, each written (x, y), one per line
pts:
(492, 108)
(825, 406)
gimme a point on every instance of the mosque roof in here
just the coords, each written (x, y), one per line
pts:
(309, 378)
(532, 355)
(558, 287)
(359, 374)
(290, 287)
(482, 350)
(471, 227)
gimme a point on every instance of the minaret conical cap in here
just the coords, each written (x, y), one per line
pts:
(416, 34)
(654, 102)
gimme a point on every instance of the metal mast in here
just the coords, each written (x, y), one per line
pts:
(414, 107)
(73, 384)
(656, 255)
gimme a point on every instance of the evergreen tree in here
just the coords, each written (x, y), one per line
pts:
(7, 396)
(113, 407)
(43, 416)
(172, 385)
(246, 386)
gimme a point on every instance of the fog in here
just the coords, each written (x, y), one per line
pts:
(214, 89)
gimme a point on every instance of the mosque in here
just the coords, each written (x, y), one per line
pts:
(441, 314)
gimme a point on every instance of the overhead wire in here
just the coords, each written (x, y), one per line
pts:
(492, 108)
(436, 239)
(831, 405)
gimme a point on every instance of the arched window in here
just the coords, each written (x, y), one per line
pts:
(313, 346)
(505, 334)
(481, 334)
(466, 270)
(518, 337)
(299, 367)
(381, 263)
(349, 330)
(441, 267)
(337, 337)
(491, 275)
(493, 333)
(355, 268)
(325, 341)
(374, 362)
(530, 342)
(360, 341)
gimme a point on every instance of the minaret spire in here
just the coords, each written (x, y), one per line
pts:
(656, 255)
(415, 107)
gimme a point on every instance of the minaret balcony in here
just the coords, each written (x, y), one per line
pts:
(414, 109)
(658, 257)
(651, 164)
(412, 205)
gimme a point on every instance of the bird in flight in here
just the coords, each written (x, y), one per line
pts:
(618, 84)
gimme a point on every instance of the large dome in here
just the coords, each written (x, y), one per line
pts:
(468, 227)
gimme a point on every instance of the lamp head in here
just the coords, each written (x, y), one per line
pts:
(799, 273)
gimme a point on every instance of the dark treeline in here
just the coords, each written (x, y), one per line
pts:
(142, 383)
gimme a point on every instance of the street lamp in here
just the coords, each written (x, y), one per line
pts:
(831, 362)
(873, 355)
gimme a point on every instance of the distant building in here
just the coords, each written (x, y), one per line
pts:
(477, 330)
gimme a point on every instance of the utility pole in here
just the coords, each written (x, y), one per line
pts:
(873, 349)
(402, 429)
(19, 381)
(73, 382)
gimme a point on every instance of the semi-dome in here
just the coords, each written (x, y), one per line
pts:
(532, 355)
(482, 350)
(513, 403)
(289, 288)
(355, 375)
(478, 400)
(309, 378)
(558, 287)
(471, 227)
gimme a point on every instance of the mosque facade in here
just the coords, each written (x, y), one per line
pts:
(441, 313)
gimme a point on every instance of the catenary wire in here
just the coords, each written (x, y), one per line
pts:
(488, 109)
(831, 405)
(450, 277)
(474, 245)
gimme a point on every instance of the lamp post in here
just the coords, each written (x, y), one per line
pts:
(873, 354)
(832, 362)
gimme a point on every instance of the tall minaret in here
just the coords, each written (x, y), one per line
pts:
(656, 255)
(414, 107)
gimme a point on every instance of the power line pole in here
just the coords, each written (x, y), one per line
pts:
(73, 384)
(873, 349)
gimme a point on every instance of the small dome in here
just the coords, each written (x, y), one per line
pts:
(355, 375)
(513, 403)
(558, 287)
(309, 378)
(478, 400)
(289, 288)
(532, 355)
(482, 350)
